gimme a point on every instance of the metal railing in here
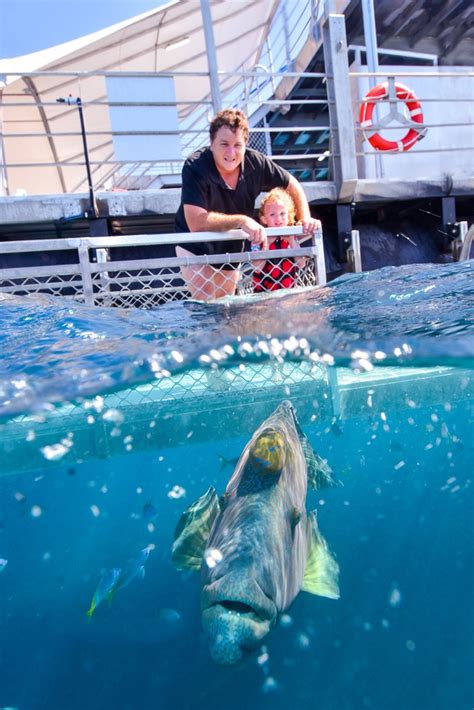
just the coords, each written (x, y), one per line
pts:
(131, 148)
(129, 271)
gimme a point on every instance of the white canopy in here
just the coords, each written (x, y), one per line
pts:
(168, 39)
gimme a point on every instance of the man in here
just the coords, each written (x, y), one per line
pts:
(219, 187)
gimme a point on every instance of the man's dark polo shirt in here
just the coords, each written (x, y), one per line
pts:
(203, 186)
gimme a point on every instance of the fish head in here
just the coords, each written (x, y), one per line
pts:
(236, 615)
(267, 453)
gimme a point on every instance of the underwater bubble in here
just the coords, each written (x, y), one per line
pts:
(170, 615)
(36, 511)
(263, 657)
(20, 497)
(150, 527)
(56, 451)
(302, 640)
(385, 623)
(46, 556)
(113, 415)
(269, 685)
(213, 557)
(3, 564)
(286, 621)
(104, 489)
(395, 597)
(411, 646)
(97, 404)
(30, 435)
(399, 465)
(95, 510)
(176, 492)
(90, 419)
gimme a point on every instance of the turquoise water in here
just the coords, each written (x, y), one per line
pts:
(113, 422)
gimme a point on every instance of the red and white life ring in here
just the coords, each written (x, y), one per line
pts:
(405, 94)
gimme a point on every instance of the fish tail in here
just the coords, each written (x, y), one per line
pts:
(90, 611)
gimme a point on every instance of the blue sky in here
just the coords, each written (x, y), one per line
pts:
(29, 25)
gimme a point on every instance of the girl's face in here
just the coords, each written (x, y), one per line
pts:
(275, 214)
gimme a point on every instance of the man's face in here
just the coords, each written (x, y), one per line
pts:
(228, 149)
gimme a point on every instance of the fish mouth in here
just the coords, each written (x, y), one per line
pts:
(253, 604)
(236, 623)
(246, 611)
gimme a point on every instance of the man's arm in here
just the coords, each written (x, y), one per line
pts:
(200, 220)
(303, 213)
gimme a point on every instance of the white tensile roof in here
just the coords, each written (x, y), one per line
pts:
(149, 42)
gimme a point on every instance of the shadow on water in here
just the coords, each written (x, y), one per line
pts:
(89, 483)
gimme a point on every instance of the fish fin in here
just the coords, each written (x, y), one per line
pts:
(193, 530)
(90, 611)
(111, 594)
(322, 571)
(320, 473)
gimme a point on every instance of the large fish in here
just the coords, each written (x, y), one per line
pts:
(256, 546)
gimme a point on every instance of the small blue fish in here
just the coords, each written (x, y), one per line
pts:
(105, 589)
(149, 511)
(134, 568)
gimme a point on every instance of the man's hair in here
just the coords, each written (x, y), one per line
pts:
(278, 194)
(230, 118)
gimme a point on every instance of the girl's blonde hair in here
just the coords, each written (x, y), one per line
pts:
(278, 194)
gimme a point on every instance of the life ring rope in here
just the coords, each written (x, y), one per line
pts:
(402, 93)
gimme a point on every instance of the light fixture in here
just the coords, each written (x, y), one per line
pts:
(177, 43)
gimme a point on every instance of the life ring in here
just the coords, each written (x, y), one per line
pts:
(403, 93)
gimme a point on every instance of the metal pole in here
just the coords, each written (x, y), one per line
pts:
(211, 55)
(3, 171)
(86, 156)
(70, 100)
(371, 50)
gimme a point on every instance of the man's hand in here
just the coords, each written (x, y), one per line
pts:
(255, 232)
(310, 226)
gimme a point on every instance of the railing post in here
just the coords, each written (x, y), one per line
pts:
(85, 266)
(319, 260)
(340, 106)
(211, 55)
